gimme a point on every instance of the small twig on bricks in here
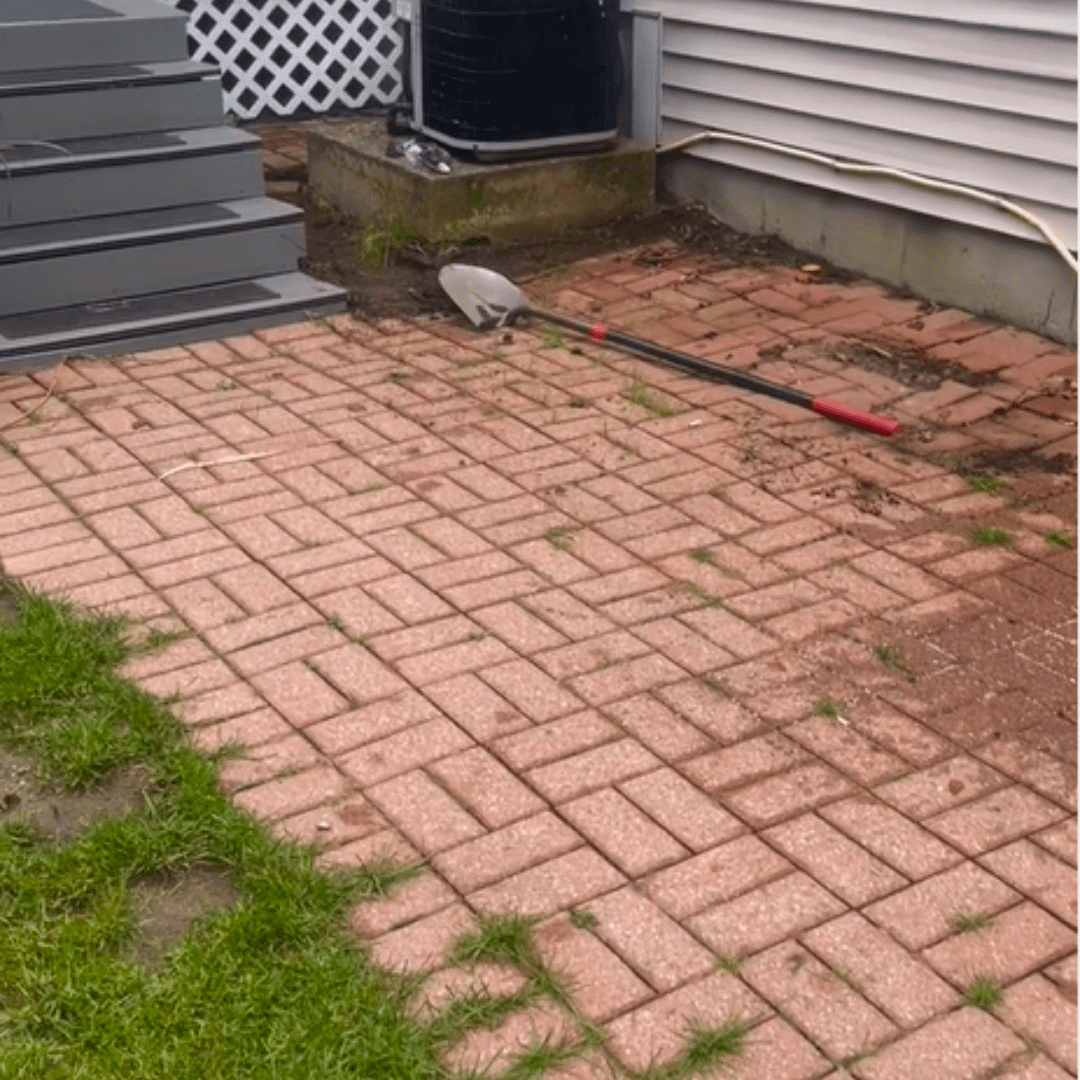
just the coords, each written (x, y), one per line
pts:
(27, 416)
(210, 464)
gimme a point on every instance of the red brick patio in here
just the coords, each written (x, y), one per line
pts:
(583, 634)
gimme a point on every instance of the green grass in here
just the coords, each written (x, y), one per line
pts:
(706, 1049)
(892, 658)
(508, 939)
(703, 556)
(1061, 540)
(731, 964)
(552, 338)
(827, 708)
(983, 993)
(637, 393)
(964, 922)
(275, 987)
(988, 536)
(696, 593)
(583, 919)
(561, 537)
(989, 485)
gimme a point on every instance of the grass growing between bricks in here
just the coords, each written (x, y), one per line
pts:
(272, 983)
(274, 986)
(983, 993)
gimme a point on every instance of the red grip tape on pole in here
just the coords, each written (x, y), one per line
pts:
(598, 331)
(845, 414)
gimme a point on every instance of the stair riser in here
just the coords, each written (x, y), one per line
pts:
(294, 301)
(169, 263)
(26, 46)
(180, 335)
(65, 195)
(106, 112)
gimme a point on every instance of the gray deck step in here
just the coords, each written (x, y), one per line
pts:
(127, 255)
(117, 99)
(63, 33)
(39, 340)
(90, 177)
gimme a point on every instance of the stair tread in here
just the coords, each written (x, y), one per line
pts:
(17, 12)
(58, 238)
(64, 154)
(59, 80)
(89, 325)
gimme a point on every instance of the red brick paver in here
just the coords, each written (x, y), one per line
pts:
(732, 685)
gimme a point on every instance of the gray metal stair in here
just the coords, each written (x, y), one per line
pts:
(131, 216)
(38, 340)
(84, 103)
(69, 33)
(90, 177)
(127, 255)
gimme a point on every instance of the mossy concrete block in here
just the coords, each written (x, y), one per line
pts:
(506, 201)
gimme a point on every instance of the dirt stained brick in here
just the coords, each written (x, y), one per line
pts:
(1038, 875)
(765, 915)
(890, 836)
(994, 819)
(1037, 1009)
(776, 1050)
(822, 1006)
(681, 808)
(422, 945)
(961, 1045)
(506, 852)
(941, 787)
(922, 914)
(424, 812)
(653, 1033)
(832, 859)
(902, 987)
(776, 797)
(1019, 941)
(556, 885)
(601, 984)
(654, 945)
(622, 832)
(584, 772)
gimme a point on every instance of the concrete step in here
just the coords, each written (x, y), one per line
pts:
(63, 33)
(74, 178)
(101, 259)
(39, 340)
(117, 99)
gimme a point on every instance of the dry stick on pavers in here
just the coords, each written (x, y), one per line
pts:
(490, 300)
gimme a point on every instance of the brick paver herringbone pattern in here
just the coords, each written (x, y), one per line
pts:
(589, 636)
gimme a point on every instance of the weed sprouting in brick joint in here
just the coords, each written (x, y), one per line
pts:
(637, 393)
(1061, 540)
(731, 964)
(892, 658)
(963, 922)
(583, 919)
(989, 536)
(561, 537)
(983, 993)
(989, 485)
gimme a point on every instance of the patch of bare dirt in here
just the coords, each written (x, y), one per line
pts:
(406, 284)
(907, 365)
(56, 814)
(165, 906)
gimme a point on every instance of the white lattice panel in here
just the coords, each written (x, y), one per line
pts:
(297, 57)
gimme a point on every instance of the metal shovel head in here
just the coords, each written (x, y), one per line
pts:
(487, 298)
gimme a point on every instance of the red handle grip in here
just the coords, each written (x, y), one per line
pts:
(836, 410)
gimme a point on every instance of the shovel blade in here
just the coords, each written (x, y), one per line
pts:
(487, 298)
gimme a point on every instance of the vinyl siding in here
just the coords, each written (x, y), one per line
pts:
(976, 92)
